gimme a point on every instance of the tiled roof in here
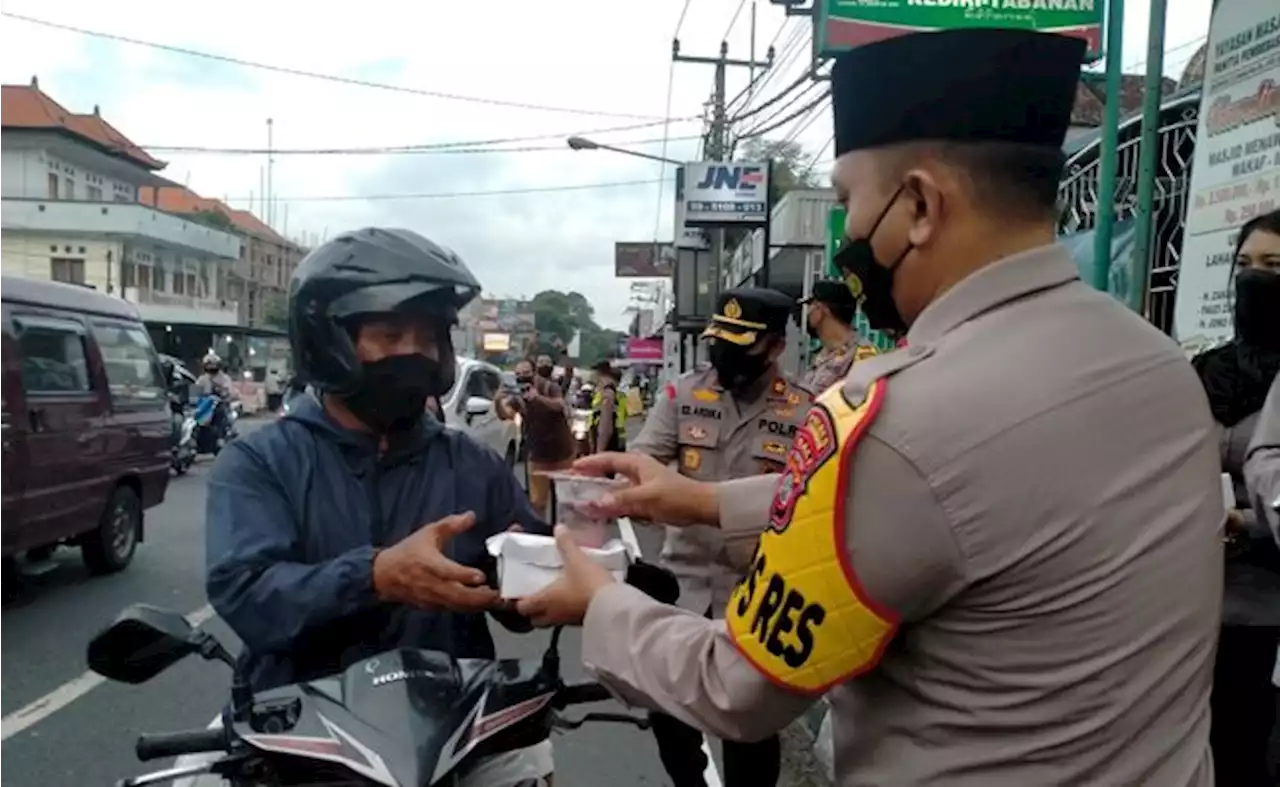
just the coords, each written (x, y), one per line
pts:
(28, 107)
(178, 199)
(1091, 96)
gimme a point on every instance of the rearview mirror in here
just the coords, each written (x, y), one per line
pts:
(478, 405)
(143, 642)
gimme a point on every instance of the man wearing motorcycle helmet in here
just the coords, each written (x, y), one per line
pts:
(356, 523)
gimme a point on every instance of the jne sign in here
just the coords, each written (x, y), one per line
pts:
(726, 193)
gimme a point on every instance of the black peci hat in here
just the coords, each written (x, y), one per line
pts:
(964, 85)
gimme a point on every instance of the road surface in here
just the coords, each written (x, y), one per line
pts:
(63, 727)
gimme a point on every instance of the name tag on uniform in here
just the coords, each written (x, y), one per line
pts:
(697, 411)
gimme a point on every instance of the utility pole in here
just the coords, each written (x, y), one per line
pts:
(718, 139)
(269, 205)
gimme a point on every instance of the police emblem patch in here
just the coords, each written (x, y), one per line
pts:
(813, 446)
(691, 459)
(732, 309)
(706, 395)
(855, 285)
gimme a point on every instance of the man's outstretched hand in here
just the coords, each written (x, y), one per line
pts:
(416, 572)
(657, 492)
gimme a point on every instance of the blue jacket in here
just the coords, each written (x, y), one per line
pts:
(295, 512)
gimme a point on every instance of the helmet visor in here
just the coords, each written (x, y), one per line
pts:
(400, 296)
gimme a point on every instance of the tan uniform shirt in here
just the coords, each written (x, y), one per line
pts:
(1262, 466)
(830, 367)
(1038, 500)
(711, 436)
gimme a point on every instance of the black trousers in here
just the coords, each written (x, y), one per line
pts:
(745, 764)
(1243, 704)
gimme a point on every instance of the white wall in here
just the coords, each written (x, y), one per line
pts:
(23, 254)
(26, 175)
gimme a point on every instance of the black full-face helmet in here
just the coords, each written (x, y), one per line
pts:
(368, 272)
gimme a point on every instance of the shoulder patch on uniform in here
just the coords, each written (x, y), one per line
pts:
(813, 445)
(670, 391)
(800, 616)
(864, 351)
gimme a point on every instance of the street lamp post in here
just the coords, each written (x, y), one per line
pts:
(582, 143)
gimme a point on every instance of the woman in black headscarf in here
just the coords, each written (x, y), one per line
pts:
(1237, 377)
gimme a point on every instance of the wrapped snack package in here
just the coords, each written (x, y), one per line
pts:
(575, 495)
(527, 563)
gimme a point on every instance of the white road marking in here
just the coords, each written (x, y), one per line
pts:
(41, 709)
(627, 533)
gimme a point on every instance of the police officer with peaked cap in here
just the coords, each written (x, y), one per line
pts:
(829, 319)
(997, 549)
(733, 418)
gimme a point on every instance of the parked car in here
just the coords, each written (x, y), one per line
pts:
(469, 406)
(86, 424)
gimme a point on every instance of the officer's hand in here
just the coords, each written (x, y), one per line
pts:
(416, 572)
(565, 601)
(657, 492)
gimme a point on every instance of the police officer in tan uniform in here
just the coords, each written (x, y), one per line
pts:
(829, 319)
(731, 419)
(998, 549)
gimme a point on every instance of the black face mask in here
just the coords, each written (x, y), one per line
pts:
(545, 371)
(524, 379)
(735, 368)
(394, 391)
(1257, 308)
(870, 282)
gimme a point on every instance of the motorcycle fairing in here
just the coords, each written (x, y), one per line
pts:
(409, 718)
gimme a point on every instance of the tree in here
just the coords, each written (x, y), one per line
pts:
(559, 315)
(791, 165)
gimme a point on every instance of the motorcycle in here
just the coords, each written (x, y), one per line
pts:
(183, 452)
(209, 436)
(404, 718)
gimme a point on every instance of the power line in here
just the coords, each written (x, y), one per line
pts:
(760, 132)
(407, 149)
(795, 97)
(813, 162)
(780, 95)
(458, 194)
(476, 151)
(741, 4)
(321, 76)
(680, 21)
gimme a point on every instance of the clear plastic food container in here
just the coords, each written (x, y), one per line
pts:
(574, 495)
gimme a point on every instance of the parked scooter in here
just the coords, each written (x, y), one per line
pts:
(404, 717)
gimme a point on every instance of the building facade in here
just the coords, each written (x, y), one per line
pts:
(258, 280)
(71, 212)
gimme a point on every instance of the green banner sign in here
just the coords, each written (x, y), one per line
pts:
(835, 235)
(840, 25)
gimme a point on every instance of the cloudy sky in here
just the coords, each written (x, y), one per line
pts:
(607, 61)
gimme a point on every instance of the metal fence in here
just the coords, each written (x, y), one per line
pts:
(1079, 194)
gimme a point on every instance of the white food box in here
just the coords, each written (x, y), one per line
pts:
(528, 563)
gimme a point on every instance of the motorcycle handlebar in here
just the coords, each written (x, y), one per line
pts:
(175, 744)
(580, 694)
